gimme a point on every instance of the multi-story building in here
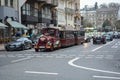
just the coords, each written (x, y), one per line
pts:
(8, 9)
(89, 16)
(36, 14)
(77, 17)
(109, 14)
(39, 12)
(66, 13)
(98, 16)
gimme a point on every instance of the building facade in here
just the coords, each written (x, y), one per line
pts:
(98, 16)
(109, 14)
(8, 9)
(39, 13)
(89, 16)
(66, 13)
(77, 17)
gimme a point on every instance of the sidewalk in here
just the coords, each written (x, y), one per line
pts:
(2, 47)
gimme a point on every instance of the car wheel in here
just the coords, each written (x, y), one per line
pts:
(104, 42)
(23, 47)
(7, 49)
(30, 46)
(36, 50)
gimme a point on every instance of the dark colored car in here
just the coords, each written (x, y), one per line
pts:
(99, 40)
(115, 35)
(19, 44)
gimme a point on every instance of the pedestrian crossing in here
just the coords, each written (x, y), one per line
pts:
(58, 56)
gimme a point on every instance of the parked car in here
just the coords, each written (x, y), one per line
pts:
(99, 40)
(115, 35)
(21, 43)
(108, 37)
(34, 41)
(87, 38)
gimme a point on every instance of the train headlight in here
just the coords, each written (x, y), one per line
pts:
(49, 43)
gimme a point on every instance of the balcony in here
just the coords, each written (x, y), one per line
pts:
(70, 11)
(44, 18)
(28, 18)
(30, 15)
(52, 3)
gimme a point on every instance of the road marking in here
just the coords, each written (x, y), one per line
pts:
(11, 55)
(99, 56)
(45, 73)
(97, 48)
(71, 62)
(101, 46)
(3, 56)
(106, 77)
(18, 60)
(114, 46)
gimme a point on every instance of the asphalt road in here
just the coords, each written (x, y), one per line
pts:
(80, 62)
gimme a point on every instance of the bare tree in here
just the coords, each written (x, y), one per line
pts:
(113, 5)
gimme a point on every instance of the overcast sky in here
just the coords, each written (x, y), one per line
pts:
(92, 2)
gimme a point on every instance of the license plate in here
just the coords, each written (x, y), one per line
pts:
(35, 46)
(41, 46)
(11, 46)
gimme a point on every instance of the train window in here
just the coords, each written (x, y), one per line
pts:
(50, 31)
(82, 33)
(69, 34)
(79, 34)
(62, 34)
(57, 33)
(75, 34)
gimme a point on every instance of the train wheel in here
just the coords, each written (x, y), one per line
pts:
(52, 48)
(59, 45)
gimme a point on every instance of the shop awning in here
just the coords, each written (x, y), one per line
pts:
(17, 25)
(2, 26)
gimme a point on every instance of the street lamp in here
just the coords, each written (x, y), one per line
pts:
(66, 11)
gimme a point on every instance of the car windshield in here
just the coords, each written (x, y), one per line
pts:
(21, 39)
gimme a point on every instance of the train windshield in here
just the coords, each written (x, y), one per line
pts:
(49, 31)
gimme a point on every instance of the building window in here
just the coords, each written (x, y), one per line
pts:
(6, 2)
(11, 3)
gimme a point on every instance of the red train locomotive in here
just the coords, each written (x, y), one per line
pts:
(56, 37)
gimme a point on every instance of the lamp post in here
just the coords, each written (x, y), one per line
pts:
(66, 12)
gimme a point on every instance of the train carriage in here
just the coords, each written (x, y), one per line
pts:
(55, 37)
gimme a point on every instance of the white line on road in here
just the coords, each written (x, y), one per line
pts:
(71, 62)
(101, 46)
(106, 77)
(18, 60)
(45, 73)
(114, 46)
(97, 48)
